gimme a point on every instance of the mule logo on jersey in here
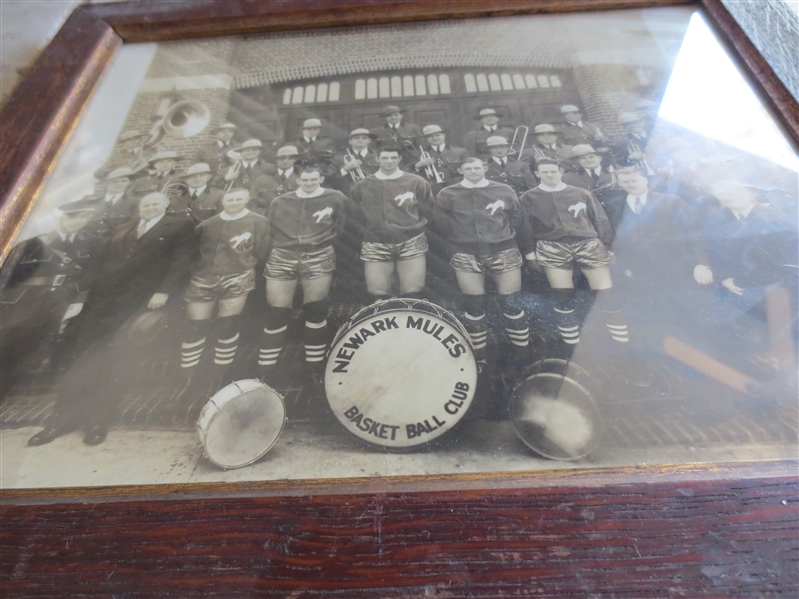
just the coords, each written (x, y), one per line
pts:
(239, 239)
(494, 206)
(576, 208)
(400, 199)
(320, 214)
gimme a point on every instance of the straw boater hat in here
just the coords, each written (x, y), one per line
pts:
(250, 143)
(497, 140)
(288, 151)
(130, 135)
(230, 126)
(163, 155)
(585, 149)
(311, 123)
(544, 128)
(432, 130)
(199, 168)
(488, 112)
(118, 173)
(627, 117)
(569, 108)
(388, 110)
(361, 131)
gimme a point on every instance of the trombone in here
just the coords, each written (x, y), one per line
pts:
(430, 170)
(524, 130)
(234, 169)
(357, 172)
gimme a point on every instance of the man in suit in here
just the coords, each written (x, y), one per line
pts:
(46, 281)
(199, 201)
(489, 126)
(596, 177)
(576, 131)
(114, 205)
(502, 169)
(313, 148)
(394, 133)
(250, 167)
(546, 145)
(442, 157)
(267, 187)
(214, 154)
(144, 266)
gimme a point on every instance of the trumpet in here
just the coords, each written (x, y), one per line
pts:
(599, 136)
(538, 154)
(634, 148)
(235, 167)
(524, 130)
(430, 171)
(357, 172)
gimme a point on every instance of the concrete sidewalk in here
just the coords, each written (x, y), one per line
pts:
(307, 451)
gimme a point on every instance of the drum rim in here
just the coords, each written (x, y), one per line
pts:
(203, 433)
(598, 424)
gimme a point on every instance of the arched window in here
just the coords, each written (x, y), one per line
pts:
(518, 82)
(360, 89)
(493, 82)
(507, 82)
(321, 91)
(296, 98)
(287, 96)
(555, 81)
(335, 89)
(432, 85)
(384, 87)
(396, 87)
(310, 94)
(371, 88)
(443, 83)
(530, 81)
(482, 83)
(407, 85)
(469, 82)
(421, 85)
(543, 81)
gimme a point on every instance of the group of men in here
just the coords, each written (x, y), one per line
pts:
(151, 237)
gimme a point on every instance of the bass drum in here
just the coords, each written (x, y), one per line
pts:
(401, 373)
(554, 412)
(240, 423)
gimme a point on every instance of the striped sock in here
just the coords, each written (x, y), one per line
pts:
(271, 345)
(517, 329)
(225, 350)
(315, 341)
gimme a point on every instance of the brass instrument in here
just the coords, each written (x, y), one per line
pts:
(513, 149)
(235, 168)
(538, 154)
(599, 136)
(356, 173)
(634, 148)
(430, 170)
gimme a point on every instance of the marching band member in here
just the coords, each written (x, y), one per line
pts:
(508, 171)
(314, 149)
(214, 154)
(395, 132)
(230, 245)
(305, 222)
(115, 206)
(594, 176)
(243, 173)
(162, 174)
(481, 220)
(200, 201)
(571, 229)
(440, 167)
(391, 209)
(357, 162)
(630, 150)
(546, 145)
(267, 187)
(489, 126)
(576, 131)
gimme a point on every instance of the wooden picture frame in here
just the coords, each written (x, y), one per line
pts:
(694, 530)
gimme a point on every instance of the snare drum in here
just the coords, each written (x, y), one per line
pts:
(401, 373)
(240, 423)
(554, 412)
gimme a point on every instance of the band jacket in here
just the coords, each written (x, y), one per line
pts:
(214, 155)
(231, 246)
(247, 175)
(566, 214)
(151, 183)
(344, 181)
(516, 174)
(206, 205)
(476, 140)
(574, 134)
(267, 187)
(307, 223)
(108, 216)
(387, 136)
(561, 152)
(474, 217)
(319, 152)
(447, 162)
(391, 210)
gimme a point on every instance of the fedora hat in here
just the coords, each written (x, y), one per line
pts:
(225, 126)
(198, 168)
(497, 140)
(391, 110)
(488, 112)
(432, 130)
(163, 155)
(287, 151)
(250, 143)
(544, 128)
(311, 123)
(361, 131)
(584, 149)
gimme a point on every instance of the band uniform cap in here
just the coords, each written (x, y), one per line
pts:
(250, 143)
(488, 112)
(569, 108)
(582, 150)
(288, 151)
(126, 135)
(361, 131)
(165, 155)
(388, 110)
(432, 130)
(497, 140)
(543, 128)
(86, 204)
(118, 173)
(199, 168)
(309, 123)
(627, 117)
(226, 126)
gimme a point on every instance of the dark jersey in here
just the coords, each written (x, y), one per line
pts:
(299, 222)
(231, 246)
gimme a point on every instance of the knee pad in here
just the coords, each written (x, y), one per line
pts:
(474, 304)
(276, 318)
(316, 311)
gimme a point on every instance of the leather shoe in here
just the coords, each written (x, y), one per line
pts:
(95, 435)
(45, 436)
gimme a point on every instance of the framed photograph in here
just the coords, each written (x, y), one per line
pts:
(397, 300)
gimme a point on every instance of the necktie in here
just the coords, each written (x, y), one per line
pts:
(638, 206)
(194, 195)
(594, 176)
(142, 229)
(283, 176)
(504, 162)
